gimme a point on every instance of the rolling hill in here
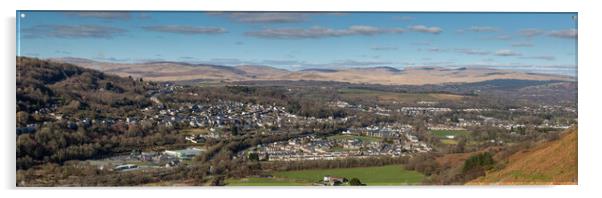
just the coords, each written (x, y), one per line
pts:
(73, 90)
(549, 163)
(55, 96)
(180, 71)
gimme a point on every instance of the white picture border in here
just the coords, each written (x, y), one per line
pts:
(589, 76)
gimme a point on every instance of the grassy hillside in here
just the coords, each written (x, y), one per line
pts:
(549, 163)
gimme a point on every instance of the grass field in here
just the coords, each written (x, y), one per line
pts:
(448, 141)
(372, 176)
(255, 181)
(384, 96)
(443, 133)
(194, 131)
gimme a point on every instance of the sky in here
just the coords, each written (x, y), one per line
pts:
(533, 42)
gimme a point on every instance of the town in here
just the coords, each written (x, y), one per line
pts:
(223, 119)
(209, 133)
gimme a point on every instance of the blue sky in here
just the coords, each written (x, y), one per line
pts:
(536, 42)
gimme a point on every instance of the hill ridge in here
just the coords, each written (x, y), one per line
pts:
(385, 75)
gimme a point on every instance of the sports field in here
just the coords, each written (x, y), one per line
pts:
(444, 133)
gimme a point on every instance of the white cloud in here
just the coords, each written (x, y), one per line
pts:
(436, 49)
(568, 33)
(471, 51)
(426, 29)
(506, 52)
(565, 33)
(531, 32)
(185, 29)
(467, 51)
(263, 17)
(321, 32)
(503, 37)
(109, 15)
(72, 31)
(547, 58)
(483, 29)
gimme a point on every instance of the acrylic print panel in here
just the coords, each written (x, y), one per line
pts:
(149, 98)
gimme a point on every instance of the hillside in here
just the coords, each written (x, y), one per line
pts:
(549, 163)
(56, 103)
(71, 89)
(179, 71)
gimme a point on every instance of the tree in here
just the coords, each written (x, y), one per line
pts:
(108, 86)
(134, 130)
(254, 156)
(478, 162)
(235, 130)
(455, 118)
(22, 117)
(355, 182)
(218, 181)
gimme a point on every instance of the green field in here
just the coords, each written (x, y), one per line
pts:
(443, 133)
(371, 176)
(194, 131)
(448, 141)
(255, 181)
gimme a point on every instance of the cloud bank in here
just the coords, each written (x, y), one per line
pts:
(321, 32)
(263, 17)
(72, 31)
(185, 29)
(426, 29)
(112, 15)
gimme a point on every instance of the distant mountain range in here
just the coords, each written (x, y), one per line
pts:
(181, 71)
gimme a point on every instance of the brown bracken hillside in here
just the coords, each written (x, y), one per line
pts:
(549, 163)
